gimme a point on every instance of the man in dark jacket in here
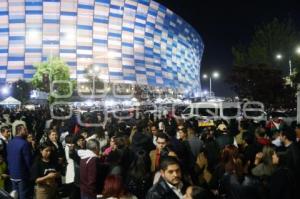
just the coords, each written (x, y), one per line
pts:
(169, 185)
(292, 154)
(4, 137)
(19, 160)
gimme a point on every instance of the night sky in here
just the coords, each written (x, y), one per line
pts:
(223, 24)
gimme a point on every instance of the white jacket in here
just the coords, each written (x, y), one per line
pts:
(70, 172)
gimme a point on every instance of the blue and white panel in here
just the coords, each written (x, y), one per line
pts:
(68, 34)
(51, 24)
(4, 33)
(114, 40)
(16, 44)
(33, 31)
(85, 15)
(130, 41)
(128, 62)
(100, 42)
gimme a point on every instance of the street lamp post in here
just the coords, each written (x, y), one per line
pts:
(214, 75)
(94, 72)
(279, 56)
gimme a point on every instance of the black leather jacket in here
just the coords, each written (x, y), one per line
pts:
(161, 190)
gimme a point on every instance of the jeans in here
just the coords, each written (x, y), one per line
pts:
(23, 188)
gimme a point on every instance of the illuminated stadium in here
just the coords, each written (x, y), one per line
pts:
(131, 41)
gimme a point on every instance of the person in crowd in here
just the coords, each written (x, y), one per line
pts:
(292, 151)
(261, 137)
(195, 192)
(115, 189)
(44, 173)
(195, 144)
(58, 153)
(162, 141)
(211, 147)
(243, 128)
(31, 140)
(112, 146)
(4, 138)
(138, 177)
(282, 181)
(78, 143)
(249, 148)
(202, 172)
(185, 154)
(274, 124)
(141, 140)
(234, 182)
(19, 158)
(263, 170)
(165, 152)
(121, 158)
(100, 136)
(227, 164)
(276, 141)
(89, 165)
(170, 126)
(154, 131)
(224, 138)
(18, 120)
(170, 185)
(70, 169)
(263, 162)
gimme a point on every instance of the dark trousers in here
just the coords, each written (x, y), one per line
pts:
(85, 196)
(73, 191)
(23, 188)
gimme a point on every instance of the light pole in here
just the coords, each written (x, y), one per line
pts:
(279, 56)
(94, 72)
(214, 75)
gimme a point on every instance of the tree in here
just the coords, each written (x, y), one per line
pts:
(256, 74)
(269, 39)
(92, 76)
(21, 90)
(49, 71)
(262, 82)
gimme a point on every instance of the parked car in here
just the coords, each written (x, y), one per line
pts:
(288, 117)
(212, 110)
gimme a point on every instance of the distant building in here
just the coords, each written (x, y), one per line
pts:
(131, 41)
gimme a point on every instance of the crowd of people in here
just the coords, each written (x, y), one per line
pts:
(146, 157)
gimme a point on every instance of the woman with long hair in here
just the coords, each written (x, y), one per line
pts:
(58, 153)
(138, 178)
(263, 162)
(230, 168)
(115, 189)
(44, 173)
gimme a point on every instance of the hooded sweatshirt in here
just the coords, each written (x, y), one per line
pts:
(89, 181)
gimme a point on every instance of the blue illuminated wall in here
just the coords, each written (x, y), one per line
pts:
(132, 41)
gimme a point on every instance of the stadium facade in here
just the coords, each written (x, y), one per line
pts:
(131, 41)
